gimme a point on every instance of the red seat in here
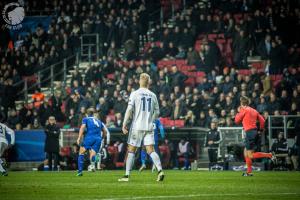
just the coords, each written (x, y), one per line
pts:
(221, 35)
(65, 151)
(111, 76)
(179, 123)
(180, 62)
(257, 65)
(212, 36)
(244, 72)
(112, 149)
(200, 74)
(190, 81)
(119, 164)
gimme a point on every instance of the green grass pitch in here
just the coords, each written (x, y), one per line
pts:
(177, 185)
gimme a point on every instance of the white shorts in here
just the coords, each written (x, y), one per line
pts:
(137, 137)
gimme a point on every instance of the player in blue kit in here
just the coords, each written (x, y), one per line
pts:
(92, 138)
(158, 129)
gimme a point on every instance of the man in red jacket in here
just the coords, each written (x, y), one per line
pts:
(248, 117)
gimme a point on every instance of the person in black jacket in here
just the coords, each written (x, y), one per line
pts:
(212, 141)
(177, 78)
(281, 149)
(52, 142)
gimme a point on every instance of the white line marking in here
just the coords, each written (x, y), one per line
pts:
(197, 195)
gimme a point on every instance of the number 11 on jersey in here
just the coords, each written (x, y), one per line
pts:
(145, 100)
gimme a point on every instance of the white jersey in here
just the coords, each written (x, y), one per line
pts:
(145, 106)
(3, 130)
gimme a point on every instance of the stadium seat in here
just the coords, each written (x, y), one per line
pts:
(244, 72)
(119, 164)
(212, 37)
(179, 123)
(65, 151)
(190, 81)
(111, 76)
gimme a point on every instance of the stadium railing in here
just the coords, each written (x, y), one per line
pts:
(35, 81)
(285, 124)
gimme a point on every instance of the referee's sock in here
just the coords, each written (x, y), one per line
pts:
(249, 164)
(261, 155)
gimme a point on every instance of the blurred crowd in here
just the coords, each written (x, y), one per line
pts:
(268, 29)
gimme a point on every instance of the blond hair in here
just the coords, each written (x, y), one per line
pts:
(244, 101)
(144, 80)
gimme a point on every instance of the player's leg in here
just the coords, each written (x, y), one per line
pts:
(134, 142)
(149, 143)
(156, 161)
(93, 152)
(156, 148)
(82, 150)
(248, 160)
(250, 145)
(143, 159)
(92, 160)
(3, 146)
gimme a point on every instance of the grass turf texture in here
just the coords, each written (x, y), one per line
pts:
(177, 185)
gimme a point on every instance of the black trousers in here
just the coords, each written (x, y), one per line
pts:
(298, 152)
(213, 155)
(52, 156)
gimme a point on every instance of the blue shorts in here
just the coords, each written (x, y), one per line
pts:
(93, 143)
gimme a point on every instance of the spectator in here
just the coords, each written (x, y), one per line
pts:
(280, 148)
(165, 110)
(177, 78)
(202, 121)
(178, 111)
(184, 152)
(264, 47)
(190, 119)
(73, 119)
(38, 97)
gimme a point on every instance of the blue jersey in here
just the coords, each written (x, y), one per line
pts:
(93, 137)
(158, 128)
(93, 127)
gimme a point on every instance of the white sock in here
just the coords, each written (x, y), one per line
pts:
(1, 168)
(129, 162)
(156, 160)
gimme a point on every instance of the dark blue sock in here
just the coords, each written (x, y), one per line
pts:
(143, 157)
(80, 162)
(93, 159)
(186, 161)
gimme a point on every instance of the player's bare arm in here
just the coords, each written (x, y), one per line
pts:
(127, 117)
(81, 131)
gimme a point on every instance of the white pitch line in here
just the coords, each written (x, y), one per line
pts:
(196, 195)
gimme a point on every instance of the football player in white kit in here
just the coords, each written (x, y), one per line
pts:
(4, 144)
(142, 111)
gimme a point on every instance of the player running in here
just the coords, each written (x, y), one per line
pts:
(92, 139)
(4, 144)
(248, 117)
(143, 109)
(158, 129)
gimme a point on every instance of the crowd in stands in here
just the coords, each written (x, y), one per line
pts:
(214, 39)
